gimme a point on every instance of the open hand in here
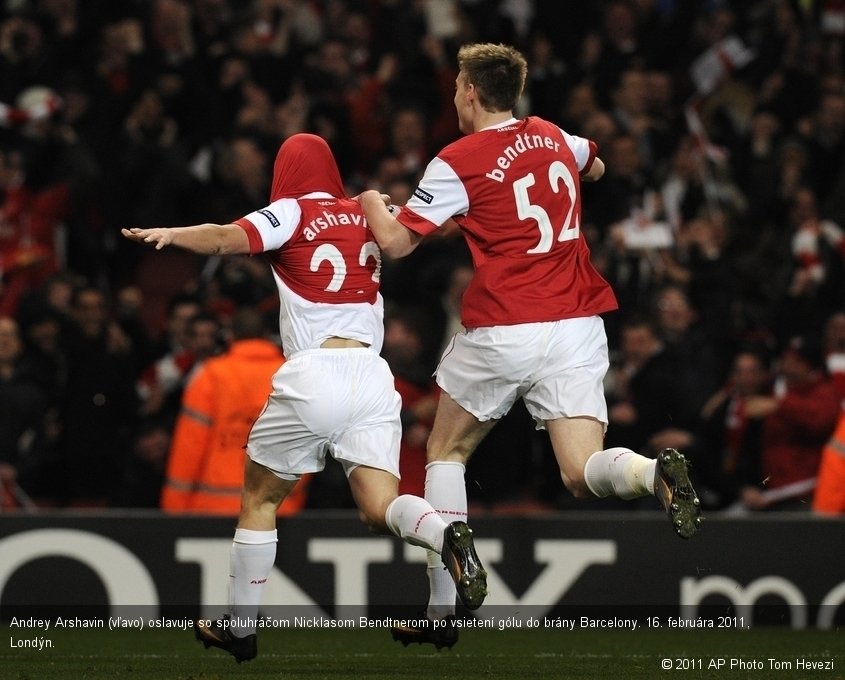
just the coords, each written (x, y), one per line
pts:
(157, 236)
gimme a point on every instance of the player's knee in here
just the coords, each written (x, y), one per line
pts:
(261, 500)
(455, 454)
(373, 520)
(575, 484)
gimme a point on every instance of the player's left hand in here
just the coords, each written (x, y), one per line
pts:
(158, 236)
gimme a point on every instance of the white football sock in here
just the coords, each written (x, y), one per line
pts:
(415, 522)
(251, 558)
(620, 472)
(445, 490)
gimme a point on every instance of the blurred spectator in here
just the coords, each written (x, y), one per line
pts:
(439, 69)
(664, 112)
(798, 421)
(793, 172)
(409, 140)
(43, 331)
(237, 281)
(154, 161)
(756, 167)
(212, 20)
(631, 113)
(143, 472)
(621, 191)
(787, 63)
(816, 270)
(580, 104)
(45, 362)
(205, 466)
(824, 133)
(239, 176)
(725, 443)
(633, 255)
(181, 308)
(404, 350)
(615, 46)
(98, 413)
(330, 77)
(683, 337)
(161, 384)
(695, 185)
(45, 176)
(700, 263)
(547, 80)
(601, 128)
(833, 345)
(682, 191)
(129, 301)
(447, 312)
(22, 408)
(645, 388)
(23, 54)
(55, 295)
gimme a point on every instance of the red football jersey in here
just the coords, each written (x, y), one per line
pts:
(327, 266)
(514, 190)
(331, 255)
(325, 260)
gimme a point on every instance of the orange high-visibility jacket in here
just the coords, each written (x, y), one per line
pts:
(829, 496)
(219, 406)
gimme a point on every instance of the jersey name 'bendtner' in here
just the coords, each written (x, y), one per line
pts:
(531, 260)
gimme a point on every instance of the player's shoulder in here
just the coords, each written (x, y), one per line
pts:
(466, 151)
(458, 148)
(274, 214)
(281, 206)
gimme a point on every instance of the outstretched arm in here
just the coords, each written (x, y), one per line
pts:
(204, 239)
(394, 238)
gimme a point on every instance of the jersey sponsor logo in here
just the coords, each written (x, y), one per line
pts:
(271, 218)
(423, 195)
(324, 203)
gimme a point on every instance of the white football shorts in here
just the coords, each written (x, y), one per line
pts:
(336, 401)
(556, 367)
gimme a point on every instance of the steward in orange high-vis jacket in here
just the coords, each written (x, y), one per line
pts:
(219, 406)
(829, 496)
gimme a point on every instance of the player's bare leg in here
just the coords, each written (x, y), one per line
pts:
(455, 436)
(574, 441)
(456, 432)
(252, 556)
(588, 470)
(415, 521)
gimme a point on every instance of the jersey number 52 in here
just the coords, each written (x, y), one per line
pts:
(525, 209)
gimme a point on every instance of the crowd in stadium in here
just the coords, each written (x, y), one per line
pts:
(720, 222)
